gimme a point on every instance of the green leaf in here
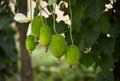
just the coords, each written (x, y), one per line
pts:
(89, 34)
(8, 45)
(95, 50)
(91, 57)
(102, 25)
(2, 77)
(116, 54)
(87, 59)
(60, 27)
(107, 65)
(94, 8)
(4, 21)
(115, 30)
(107, 44)
(82, 45)
(108, 77)
(77, 16)
(76, 37)
(73, 2)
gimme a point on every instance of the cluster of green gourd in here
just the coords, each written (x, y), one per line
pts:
(41, 33)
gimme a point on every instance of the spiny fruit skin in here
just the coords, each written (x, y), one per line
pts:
(58, 46)
(72, 56)
(30, 43)
(36, 25)
(45, 35)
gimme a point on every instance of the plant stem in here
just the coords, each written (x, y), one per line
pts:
(31, 9)
(54, 25)
(53, 15)
(44, 10)
(71, 22)
(39, 7)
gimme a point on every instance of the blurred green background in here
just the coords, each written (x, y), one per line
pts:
(47, 68)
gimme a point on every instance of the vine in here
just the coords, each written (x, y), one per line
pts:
(71, 22)
(53, 15)
(40, 9)
(31, 9)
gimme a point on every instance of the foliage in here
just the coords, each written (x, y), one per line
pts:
(8, 50)
(95, 31)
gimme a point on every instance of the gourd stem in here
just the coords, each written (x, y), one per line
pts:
(53, 15)
(71, 22)
(40, 9)
(31, 9)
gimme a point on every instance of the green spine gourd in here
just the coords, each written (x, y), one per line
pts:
(45, 35)
(72, 56)
(58, 46)
(30, 43)
(36, 25)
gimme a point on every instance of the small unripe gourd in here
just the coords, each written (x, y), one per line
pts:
(58, 46)
(72, 56)
(36, 25)
(30, 43)
(45, 35)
